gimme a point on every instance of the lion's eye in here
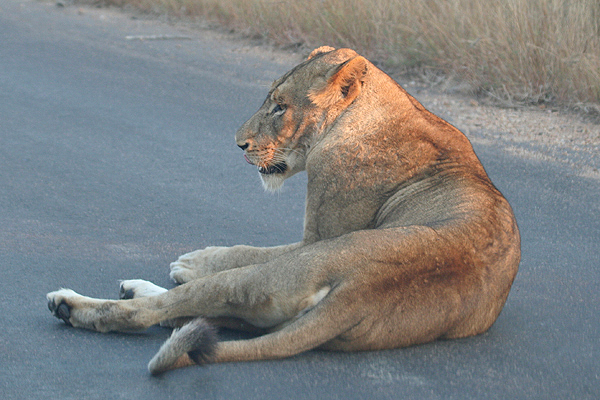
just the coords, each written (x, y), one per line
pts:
(278, 110)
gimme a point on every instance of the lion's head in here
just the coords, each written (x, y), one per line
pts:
(299, 107)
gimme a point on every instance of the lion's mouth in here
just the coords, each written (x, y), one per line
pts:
(278, 168)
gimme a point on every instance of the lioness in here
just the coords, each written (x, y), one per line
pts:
(405, 241)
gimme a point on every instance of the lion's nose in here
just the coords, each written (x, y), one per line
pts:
(243, 146)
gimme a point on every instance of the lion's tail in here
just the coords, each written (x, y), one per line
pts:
(192, 344)
(196, 342)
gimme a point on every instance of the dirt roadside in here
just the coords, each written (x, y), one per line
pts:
(566, 138)
(559, 136)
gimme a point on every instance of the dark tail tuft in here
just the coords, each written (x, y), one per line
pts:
(197, 339)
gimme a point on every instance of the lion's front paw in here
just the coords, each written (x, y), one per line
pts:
(212, 260)
(181, 273)
(60, 304)
(195, 264)
(76, 310)
(134, 288)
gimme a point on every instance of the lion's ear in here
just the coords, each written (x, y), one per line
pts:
(322, 49)
(344, 83)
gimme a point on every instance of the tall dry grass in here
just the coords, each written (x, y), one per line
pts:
(519, 50)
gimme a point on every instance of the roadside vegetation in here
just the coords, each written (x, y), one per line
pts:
(517, 51)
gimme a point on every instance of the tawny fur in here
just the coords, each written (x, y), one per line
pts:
(406, 240)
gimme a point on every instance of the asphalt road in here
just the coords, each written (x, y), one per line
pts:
(117, 155)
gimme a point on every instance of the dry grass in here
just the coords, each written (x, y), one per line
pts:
(530, 51)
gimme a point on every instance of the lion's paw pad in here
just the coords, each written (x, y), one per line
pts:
(133, 288)
(59, 306)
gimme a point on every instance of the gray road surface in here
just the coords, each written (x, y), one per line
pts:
(117, 155)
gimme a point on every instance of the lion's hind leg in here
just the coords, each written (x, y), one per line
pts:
(192, 345)
(134, 288)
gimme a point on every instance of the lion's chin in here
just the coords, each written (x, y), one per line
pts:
(278, 168)
(272, 182)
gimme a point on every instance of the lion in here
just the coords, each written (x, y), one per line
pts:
(406, 240)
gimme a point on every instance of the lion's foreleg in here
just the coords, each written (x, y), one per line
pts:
(211, 260)
(249, 293)
(130, 314)
(102, 315)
